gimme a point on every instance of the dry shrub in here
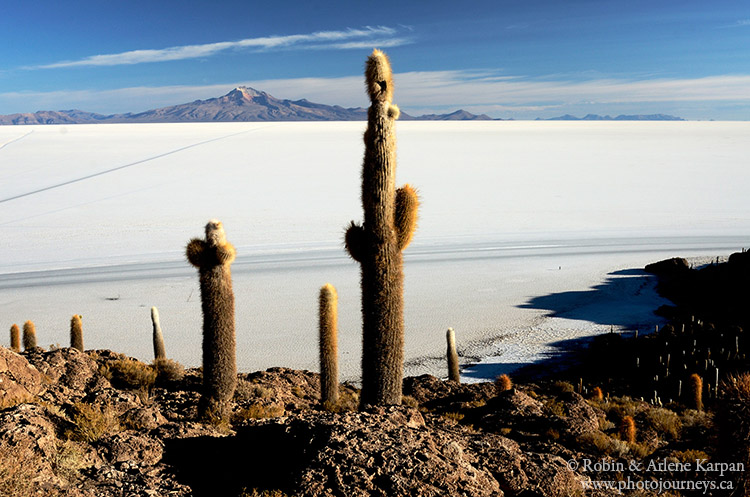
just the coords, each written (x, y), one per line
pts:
(409, 401)
(247, 390)
(689, 455)
(561, 387)
(18, 466)
(663, 421)
(130, 374)
(92, 422)
(259, 411)
(733, 424)
(262, 493)
(6, 402)
(603, 444)
(453, 416)
(168, 370)
(349, 402)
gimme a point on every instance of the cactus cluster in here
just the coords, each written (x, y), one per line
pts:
(389, 222)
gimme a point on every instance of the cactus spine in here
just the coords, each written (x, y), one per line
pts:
(29, 335)
(389, 223)
(76, 332)
(452, 355)
(328, 328)
(15, 338)
(158, 339)
(213, 257)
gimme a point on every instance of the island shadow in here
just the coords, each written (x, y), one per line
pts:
(626, 301)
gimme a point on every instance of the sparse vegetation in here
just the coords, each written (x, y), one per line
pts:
(130, 374)
(92, 421)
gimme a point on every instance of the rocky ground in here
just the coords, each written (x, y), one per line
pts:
(98, 424)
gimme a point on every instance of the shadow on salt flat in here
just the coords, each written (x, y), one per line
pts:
(626, 299)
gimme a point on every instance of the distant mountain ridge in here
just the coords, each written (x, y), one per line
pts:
(242, 104)
(621, 117)
(245, 104)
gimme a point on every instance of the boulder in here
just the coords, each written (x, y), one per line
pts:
(19, 381)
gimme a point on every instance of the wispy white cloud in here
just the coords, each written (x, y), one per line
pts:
(430, 91)
(342, 40)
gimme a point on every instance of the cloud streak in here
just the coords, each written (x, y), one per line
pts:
(338, 40)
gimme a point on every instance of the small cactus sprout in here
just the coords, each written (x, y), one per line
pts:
(453, 373)
(596, 394)
(328, 328)
(696, 391)
(76, 332)
(158, 338)
(213, 256)
(503, 383)
(390, 217)
(627, 429)
(29, 335)
(15, 338)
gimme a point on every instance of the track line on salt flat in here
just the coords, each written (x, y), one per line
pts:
(124, 166)
(14, 140)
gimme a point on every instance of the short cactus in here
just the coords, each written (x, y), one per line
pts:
(213, 257)
(328, 335)
(503, 383)
(389, 222)
(158, 338)
(15, 338)
(76, 332)
(627, 429)
(452, 355)
(696, 391)
(29, 335)
(597, 394)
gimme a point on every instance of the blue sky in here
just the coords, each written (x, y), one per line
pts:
(510, 59)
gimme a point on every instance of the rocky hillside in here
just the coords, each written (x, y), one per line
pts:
(630, 415)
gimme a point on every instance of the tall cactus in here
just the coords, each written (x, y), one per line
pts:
(328, 330)
(76, 332)
(15, 338)
(212, 257)
(157, 337)
(389, 222)
(452, 355)
(29, 335)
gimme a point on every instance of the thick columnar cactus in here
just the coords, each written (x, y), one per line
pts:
(76, 332)
(29, 335)
(452, 355)
(329, 363)
(212, 257)
(15, 338)
(389, 222)
(158, 338)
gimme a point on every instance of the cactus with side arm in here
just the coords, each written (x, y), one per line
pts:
(390, 217)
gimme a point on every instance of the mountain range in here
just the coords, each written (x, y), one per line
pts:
(240, 104)
(247, 104)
